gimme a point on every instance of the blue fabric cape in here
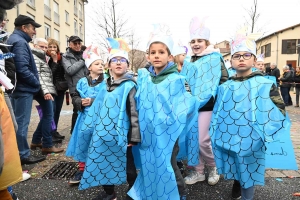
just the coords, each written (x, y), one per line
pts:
(79, 142)
(109, 122)
(165, 111)
(244, 118)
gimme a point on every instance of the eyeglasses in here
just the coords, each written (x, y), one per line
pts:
(115, 60)
(246, 56)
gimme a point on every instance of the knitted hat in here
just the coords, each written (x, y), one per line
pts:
(260, 58)
(198, 30)
(244, 42)
(161, 33)
(90, 55)
(118, 47)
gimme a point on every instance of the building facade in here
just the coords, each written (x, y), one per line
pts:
(59, 18)
(281, 47)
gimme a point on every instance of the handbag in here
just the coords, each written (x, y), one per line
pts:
(61, 85)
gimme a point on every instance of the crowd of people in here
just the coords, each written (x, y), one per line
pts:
(177, 114)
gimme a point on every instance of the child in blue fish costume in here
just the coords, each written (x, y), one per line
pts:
(87, 89)
(166, 110)
(248, 113)
(204, 74)
(113, 120)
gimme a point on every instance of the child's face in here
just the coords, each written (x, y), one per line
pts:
(259, 65)
(297, 69)
(158, 56)
(198, 45)
(181, 58)
(96, 67)
(243, 61)
(118, 66)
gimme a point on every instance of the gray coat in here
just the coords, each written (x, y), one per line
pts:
(74, 69)
(44, 73)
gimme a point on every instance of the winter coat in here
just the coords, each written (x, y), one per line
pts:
(297, 80)
(27, 75)
(44, 72)
(286, 79)
(75, 69)
(10, 68)
(275, 72)
(58, 71)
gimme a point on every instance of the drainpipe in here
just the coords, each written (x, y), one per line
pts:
(298, 46)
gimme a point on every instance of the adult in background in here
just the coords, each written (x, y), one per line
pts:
(75, 69)
(285, 84)
(42, 135)
(275, 72)
(27, 82)
(59, 81)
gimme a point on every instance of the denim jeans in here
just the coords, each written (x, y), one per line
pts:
(57, 105)
(248, 194)
(285, 94)
(22, 103)
(43, 130)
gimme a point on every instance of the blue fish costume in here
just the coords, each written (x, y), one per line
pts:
(106, 161)
(165, 110)
(79, 142)
(245, 117)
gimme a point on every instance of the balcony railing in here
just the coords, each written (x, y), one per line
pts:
(76, 31)
(31, 3)
(47, 11)
(56, 18)
(80, 15)
(75, 11)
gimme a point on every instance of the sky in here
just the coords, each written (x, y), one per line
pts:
(224, 17)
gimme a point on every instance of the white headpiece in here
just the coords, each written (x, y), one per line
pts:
(90, 55)
(198, 30)
(161, 33)
(118, 47)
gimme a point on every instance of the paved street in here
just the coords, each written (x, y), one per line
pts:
(278, 186)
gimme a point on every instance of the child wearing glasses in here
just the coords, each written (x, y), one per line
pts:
(86, 91)
(166, 110)
(206, 72)
(113, 120)
(248, 113)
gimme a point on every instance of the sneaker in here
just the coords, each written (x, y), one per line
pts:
(104, 196)
(183, 197)
(213, 176)
(26, 176)
(76, 179)
(236, 190)
(194, 177)
(14, 196)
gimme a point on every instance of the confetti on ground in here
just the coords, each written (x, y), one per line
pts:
(33, 174)
(279, 179)
(297, 194)
(290, 176)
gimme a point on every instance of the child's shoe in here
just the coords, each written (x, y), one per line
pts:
(236, 190)
(213, 176)
(104, 196)
(194, 177)
(76, 178)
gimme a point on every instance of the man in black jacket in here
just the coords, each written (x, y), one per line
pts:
(275, 72)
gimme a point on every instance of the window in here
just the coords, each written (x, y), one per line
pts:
(47, 2)
(47, 31)
(267, 65)
(56, 11)
(67, 43)
(75, 27)
(80, 11)
(266, 50)
(47, 9)
(80, 31)
(56, 35)
(288, 46)
(31, 3)
(67, 16)
(75, 8)
(31, 16)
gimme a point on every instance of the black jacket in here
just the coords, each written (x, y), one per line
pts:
(297, 80)
(286, 79)
(9, 68)
(58, 71)
(275, 72)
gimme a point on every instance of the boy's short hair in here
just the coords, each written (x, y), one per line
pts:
(168, 50)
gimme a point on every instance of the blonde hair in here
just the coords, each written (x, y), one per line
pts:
(51, 41)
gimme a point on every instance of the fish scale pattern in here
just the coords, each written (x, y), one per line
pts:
(109, 123)
(165, 111)
(78, 145)
(244, 118)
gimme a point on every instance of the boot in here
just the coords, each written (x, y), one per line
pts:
(34, 146)
(56, 135)
(51, 150)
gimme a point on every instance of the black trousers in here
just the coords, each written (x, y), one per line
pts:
(130, 172)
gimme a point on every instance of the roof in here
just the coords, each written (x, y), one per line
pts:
(224, 50)
(280, 31)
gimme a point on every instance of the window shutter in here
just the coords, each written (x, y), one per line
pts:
(284, 47)
(298, 49)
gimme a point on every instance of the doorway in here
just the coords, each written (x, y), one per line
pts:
(292, 63)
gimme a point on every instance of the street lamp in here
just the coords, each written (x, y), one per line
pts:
(298, 46)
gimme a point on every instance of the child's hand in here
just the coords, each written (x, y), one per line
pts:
(86, 102)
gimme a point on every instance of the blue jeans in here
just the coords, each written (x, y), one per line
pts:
(248, 194)
(22, 103)
(285, 94)
(42, 134)
(57, 105)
